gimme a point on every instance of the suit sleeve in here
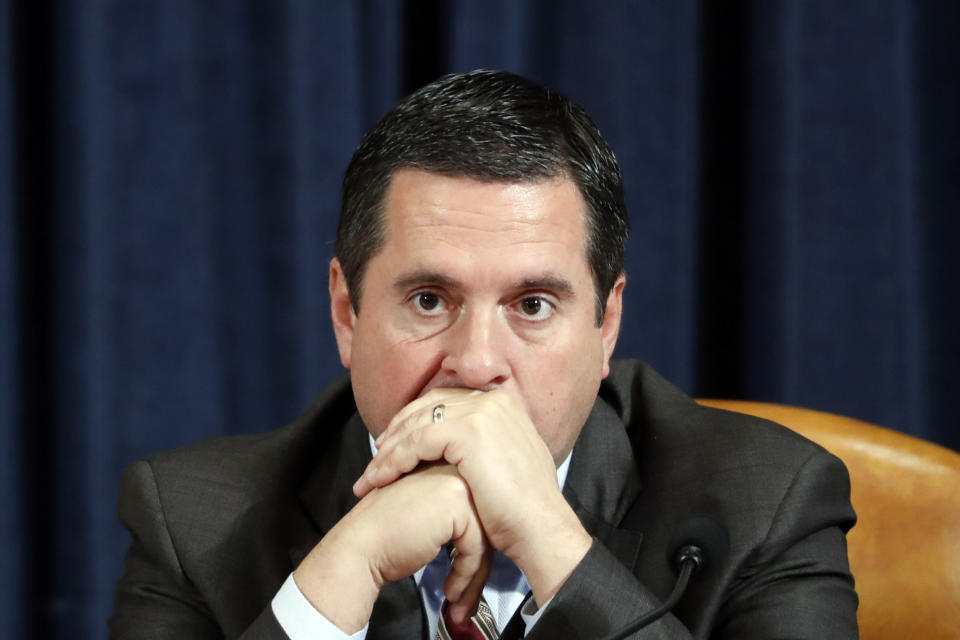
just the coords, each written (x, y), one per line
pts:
(795, 583)
(154, 599)
(798, 583)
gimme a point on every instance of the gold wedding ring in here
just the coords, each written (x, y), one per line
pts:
(438, 413)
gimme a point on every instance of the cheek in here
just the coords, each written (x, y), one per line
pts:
(563, 387)
(387, 375)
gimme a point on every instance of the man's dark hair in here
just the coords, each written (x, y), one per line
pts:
(485, 125)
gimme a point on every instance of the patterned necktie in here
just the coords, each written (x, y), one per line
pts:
(481, 626)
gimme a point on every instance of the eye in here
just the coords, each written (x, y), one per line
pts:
(535, 308)
(428, 303)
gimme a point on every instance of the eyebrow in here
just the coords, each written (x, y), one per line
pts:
(421, 278)
(560, 286)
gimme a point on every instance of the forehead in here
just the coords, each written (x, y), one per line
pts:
(422, 207)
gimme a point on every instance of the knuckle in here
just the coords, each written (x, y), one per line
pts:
(456, 487)
(474, 420)
(411, 419)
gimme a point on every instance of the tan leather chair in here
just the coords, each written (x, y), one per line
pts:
(905, 549)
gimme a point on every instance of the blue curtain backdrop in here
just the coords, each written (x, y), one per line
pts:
(169, 184)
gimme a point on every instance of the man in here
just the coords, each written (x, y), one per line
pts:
(522, 482)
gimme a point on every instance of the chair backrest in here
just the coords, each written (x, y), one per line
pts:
(905, 549)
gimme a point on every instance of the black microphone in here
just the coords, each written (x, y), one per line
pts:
(702, 542)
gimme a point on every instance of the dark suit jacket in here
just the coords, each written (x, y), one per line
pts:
(218, 526)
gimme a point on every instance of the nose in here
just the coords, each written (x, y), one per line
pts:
(475, 351)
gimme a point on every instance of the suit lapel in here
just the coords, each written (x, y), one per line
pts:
(327, 493)
(398, 613)
(603, 482)
(326, 496)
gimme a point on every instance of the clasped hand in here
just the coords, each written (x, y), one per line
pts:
(482, 478)
(494, 446)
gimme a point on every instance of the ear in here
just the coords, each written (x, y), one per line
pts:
(341, 311)
(610, 328)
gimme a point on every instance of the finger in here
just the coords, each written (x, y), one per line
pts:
(417, 417)
(470, 568)
(412, 415)
(464, 586)
(466, 566)
(404, 453)
(420, 411)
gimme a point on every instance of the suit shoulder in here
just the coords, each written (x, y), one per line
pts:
(258, 462)
(658, 415)
(764, 483)
(683, 449)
